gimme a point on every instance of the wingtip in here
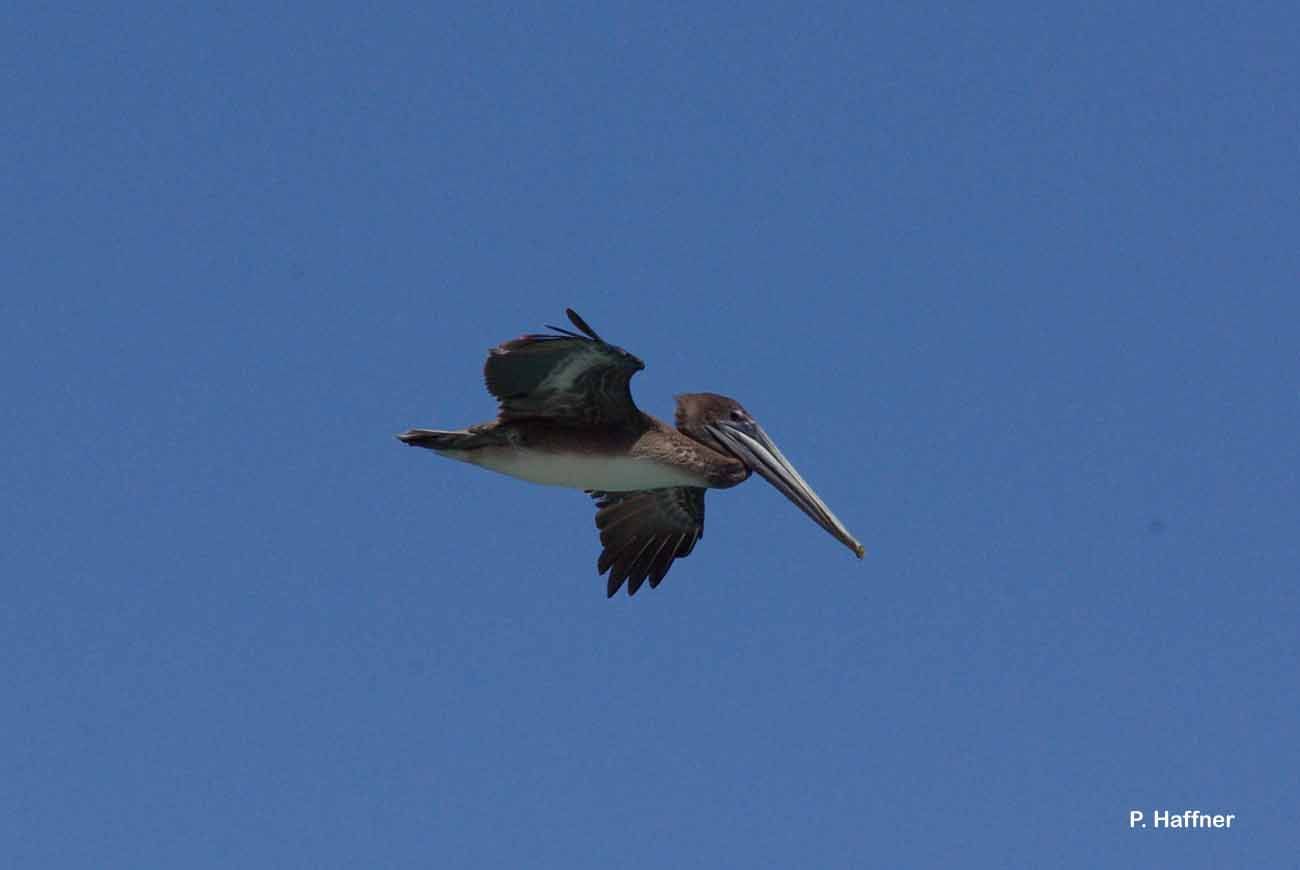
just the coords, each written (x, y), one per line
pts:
(576, 320)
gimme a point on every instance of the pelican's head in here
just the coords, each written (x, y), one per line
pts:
(722, 424)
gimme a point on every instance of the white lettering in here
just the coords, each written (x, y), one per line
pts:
(1184, 819)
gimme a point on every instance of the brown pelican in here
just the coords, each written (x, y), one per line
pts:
(567, 419)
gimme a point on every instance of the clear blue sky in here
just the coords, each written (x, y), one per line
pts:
(1015, 288)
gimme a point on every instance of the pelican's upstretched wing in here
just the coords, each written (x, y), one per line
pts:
(567, 377)
(643, 531)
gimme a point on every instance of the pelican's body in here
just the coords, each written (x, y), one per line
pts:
(585, 471)
(644, 454)
(567, 419)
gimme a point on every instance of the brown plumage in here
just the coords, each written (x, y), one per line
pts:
(566, 418)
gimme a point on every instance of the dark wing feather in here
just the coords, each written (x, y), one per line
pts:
(568, 377)
(643, 531)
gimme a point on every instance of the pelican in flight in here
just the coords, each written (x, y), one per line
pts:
(567, 419)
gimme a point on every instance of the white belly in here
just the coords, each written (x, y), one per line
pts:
(578, 470)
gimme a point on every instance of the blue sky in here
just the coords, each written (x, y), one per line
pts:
(1015, 289)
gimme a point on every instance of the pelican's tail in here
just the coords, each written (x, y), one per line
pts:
(484, 435)
(437, 439)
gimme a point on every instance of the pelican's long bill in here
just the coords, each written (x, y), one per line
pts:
(757, 451)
